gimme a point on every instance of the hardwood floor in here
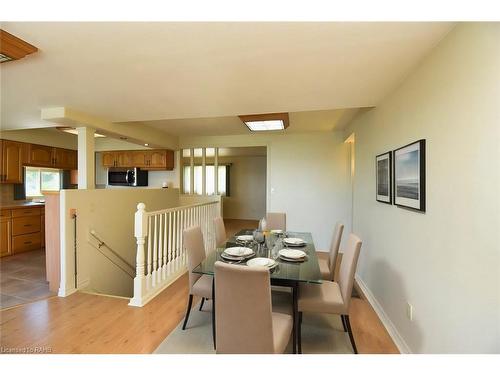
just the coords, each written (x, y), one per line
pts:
(87, 323)
(235, 225)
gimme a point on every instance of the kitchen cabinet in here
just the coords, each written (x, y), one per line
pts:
(5, 235)
(52, 157)
(117, 159)
(140, 159)
(144, 159)
(13, 155)
(21, 229)
(65, 159)
(41, 156)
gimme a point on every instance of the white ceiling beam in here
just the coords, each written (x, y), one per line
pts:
(135, 133)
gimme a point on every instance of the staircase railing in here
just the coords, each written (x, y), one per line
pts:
(163, 259)
(125, 266)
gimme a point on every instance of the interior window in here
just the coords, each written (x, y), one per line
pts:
(41, 179)
(209, 179)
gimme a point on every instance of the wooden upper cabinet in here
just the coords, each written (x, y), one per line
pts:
(108, 159)
(117, 159)
(145, 159)
(158, 159)
(65, 159)
(12, 162)
(124, 159)
(140, 159)
(41, 156)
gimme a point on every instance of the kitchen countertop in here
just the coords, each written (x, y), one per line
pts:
(14, 205)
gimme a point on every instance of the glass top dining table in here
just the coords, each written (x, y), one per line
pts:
(285, 272)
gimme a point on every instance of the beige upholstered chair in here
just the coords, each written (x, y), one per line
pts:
(331, 297)
(199, 285)
(244, 321)
(327, 266)
(220, 231)
(275, 220)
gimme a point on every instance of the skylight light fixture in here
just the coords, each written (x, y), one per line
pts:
(266, 122)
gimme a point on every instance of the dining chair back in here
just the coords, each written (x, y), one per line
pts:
(220, 231)
(276, 220)
(243, 313)
(195, 248)
(334, 249)
(348, 268)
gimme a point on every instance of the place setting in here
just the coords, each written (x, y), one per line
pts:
(294, 242)
(237, 254)
(292, 255)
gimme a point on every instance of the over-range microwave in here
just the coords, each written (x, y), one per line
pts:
(127, 177)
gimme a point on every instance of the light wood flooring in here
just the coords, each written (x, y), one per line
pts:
(86, 323)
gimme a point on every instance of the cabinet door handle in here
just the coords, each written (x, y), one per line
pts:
(27, 225)
(27, 242)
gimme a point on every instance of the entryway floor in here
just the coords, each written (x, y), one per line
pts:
(23, 279)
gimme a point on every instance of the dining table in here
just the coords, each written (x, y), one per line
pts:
(285, 273)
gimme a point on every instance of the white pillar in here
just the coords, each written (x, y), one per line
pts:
(216, 171)
(203, 171)
(86, 158)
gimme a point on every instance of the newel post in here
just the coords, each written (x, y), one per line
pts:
(140, 233)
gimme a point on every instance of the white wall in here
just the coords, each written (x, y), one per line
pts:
(308, 177)
(111, 214)
(247, 198)
(310, 180)
(445, 262)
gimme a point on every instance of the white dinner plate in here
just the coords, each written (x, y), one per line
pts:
(239, 251)
(231, 257)
(245, 238)
(292, 254)
(291, 241)
(262, 262)
(299, 260)
(277, 231)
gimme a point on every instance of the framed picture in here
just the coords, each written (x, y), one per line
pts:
(384, 177)
(409, 176)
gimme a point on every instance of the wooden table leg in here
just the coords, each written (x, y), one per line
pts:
(295, 316)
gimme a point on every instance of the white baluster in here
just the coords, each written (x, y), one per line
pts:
(140, 230)
(165, 247)
(148, 273)
(170, 237)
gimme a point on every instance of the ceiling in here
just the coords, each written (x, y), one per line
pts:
(157, 73)
(231, 125)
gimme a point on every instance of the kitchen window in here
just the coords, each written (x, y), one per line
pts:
(37, 180)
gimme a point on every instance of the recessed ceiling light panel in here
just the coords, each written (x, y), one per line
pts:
(266, 122)
(75, 132)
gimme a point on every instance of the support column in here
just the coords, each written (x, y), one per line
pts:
(216, 170)
(86, 158)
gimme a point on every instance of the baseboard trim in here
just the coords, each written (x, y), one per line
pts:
(389, 326)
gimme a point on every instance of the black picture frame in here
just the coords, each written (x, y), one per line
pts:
(409, 176)
(383, 191)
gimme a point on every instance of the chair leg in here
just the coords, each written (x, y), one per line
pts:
(202, 302)
(343, 322)
(300, 333)
(351, 337)
(190, 302)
